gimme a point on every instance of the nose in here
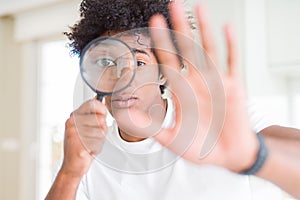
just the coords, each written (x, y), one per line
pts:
(124, 74)
(124, 67)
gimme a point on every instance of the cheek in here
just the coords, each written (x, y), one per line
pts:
(148, 73)
(149, 93)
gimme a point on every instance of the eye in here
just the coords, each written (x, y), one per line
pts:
(105, 62)
(140, 63)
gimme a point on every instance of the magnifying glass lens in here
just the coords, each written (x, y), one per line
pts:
(108, 65)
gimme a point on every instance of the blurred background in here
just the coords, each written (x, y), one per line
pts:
(39, 78)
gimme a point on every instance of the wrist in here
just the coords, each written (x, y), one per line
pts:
(64, 187)
(251, 156)
(76, 168)
(69, 176)
(260, 158)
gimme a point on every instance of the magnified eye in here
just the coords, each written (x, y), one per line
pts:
(105, 62)
(140, 63)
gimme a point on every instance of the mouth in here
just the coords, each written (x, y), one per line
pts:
(124, 101)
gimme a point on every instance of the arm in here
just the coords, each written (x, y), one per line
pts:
(64, 187)
(283, 164)
(84, 138)
(281, 132)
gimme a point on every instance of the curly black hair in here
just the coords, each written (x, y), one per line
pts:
(101, 16)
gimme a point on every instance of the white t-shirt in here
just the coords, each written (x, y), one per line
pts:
(146, 170)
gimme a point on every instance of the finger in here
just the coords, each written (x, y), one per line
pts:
(88, 137)
(183, 34)
(163, 45)
(90, 120)
(167, 55)
(94, 148)
(206, 34)
(78, 122)
(91, 133)
(179, 19)
(93, 144)
(87, 130)
(232, 56)
(92, 106)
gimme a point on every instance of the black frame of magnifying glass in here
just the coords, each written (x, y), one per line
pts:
(100, 94)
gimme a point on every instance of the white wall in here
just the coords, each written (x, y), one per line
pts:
(45, 22)
(10, 7)
(269, 41)
(10, 111)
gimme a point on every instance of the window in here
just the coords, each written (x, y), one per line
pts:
(58, 73)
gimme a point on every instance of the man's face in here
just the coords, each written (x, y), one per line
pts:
(144, 91)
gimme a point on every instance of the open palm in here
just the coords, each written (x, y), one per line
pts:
(211, 123)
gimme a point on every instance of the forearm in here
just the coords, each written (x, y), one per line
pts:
(283, 169)
(283, 164)
(64, 187)
(282, 132)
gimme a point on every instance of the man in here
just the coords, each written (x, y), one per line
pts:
(124, 161)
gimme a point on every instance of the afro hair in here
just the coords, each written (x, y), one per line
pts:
(101, 16)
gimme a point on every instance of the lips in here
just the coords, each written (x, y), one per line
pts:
(124, 101)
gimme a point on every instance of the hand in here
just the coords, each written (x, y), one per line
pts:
(84, 137)
(211, 124)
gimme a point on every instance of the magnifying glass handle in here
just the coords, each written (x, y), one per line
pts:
(99, 97)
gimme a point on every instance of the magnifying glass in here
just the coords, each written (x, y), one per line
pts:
(107, 66)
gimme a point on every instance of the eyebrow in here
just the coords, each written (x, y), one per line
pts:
(140, 51)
